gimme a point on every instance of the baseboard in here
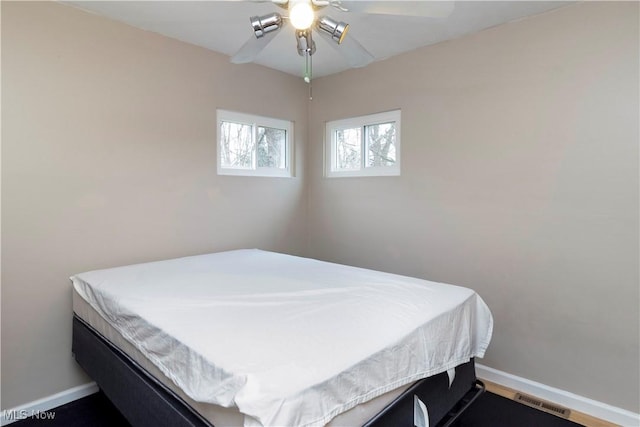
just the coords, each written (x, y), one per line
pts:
(572, 401)
(39, 408)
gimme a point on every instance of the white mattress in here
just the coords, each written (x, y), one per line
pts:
(286, 340)
(214, 414)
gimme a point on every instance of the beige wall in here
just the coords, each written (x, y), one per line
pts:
(519, 179)
(108, 158)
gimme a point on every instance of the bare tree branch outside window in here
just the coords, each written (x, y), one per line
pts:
(236, 145)
(271, 148)
(363, 146)
(348, 148)
(250, 145)
(381, 144)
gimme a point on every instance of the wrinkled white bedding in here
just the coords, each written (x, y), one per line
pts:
(290, 341)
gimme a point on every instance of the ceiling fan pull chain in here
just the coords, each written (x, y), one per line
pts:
(308, 74)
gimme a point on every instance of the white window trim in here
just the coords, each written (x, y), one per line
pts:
(254, 121)
(355, 122)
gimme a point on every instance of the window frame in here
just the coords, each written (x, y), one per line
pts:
(255, 121)
(331, 127)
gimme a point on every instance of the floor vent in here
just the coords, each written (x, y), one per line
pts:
(548, 407)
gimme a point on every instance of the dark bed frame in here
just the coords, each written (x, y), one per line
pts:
(146, 402)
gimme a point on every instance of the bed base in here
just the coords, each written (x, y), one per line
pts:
(145, 402)
(445, 404)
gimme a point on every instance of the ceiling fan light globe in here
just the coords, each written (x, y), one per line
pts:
(342, 33)
(337, 30)
(301, 15)
(265, 24)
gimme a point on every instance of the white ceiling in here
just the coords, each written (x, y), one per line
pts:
(223, 26)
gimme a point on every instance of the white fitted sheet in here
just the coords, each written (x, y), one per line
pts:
(287, 340)
(216, 415)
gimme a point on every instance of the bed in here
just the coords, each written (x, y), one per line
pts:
(254, 338)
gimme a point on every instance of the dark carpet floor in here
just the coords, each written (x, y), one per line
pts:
(489, 410)
(92, 411)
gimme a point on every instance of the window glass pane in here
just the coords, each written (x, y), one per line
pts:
(236, 145)
(348, 149)
(381, 144)
(363, 146)
(272, 148)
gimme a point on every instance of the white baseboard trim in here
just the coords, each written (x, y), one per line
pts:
(572, 401)
(39, 408)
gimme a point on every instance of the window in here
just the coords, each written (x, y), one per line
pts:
(364, 146)
(253, 145)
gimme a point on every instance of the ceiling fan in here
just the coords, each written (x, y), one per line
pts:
(306, 16)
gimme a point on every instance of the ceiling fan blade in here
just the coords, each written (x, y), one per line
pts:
(252, 48)
(351, 50)
(355, 54)
(428, 9)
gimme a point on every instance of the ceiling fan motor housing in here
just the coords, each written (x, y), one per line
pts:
(306, 45)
